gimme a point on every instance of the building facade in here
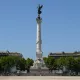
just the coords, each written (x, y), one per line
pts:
(65, 54)
(7, 53)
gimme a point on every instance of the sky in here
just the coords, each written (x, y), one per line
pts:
(60, 26)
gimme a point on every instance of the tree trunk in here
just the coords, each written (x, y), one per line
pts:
(28, 70)
(76, 73)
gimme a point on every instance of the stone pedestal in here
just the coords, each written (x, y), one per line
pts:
(38, 64)
(39, 67)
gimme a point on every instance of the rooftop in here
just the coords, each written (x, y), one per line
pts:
(64, 54)
(7, 53)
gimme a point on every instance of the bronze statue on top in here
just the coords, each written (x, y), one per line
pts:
(39, 10)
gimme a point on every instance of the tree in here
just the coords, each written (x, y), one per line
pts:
(21, 64)
(45, 59)
(50, 63)
(77, 66)
(29, 63)
(71, 63)
(61, 63)
(1, 69)
(7, 63)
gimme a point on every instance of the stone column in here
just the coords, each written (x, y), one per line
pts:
(38, 39)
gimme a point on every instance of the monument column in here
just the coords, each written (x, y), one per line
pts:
(39, 62)
(38, 40)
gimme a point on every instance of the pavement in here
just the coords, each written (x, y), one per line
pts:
(39, 78)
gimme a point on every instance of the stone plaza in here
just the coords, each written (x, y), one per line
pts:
(39, 78)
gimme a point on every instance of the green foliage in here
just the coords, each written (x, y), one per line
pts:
(45, 59)
(71, 63)
(29, 63)
(61, 62)
(50, 63)
(21, 64)
(76, 68)
(6, 63)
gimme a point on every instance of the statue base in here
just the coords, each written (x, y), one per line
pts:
(39, 63)
(38, 67)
